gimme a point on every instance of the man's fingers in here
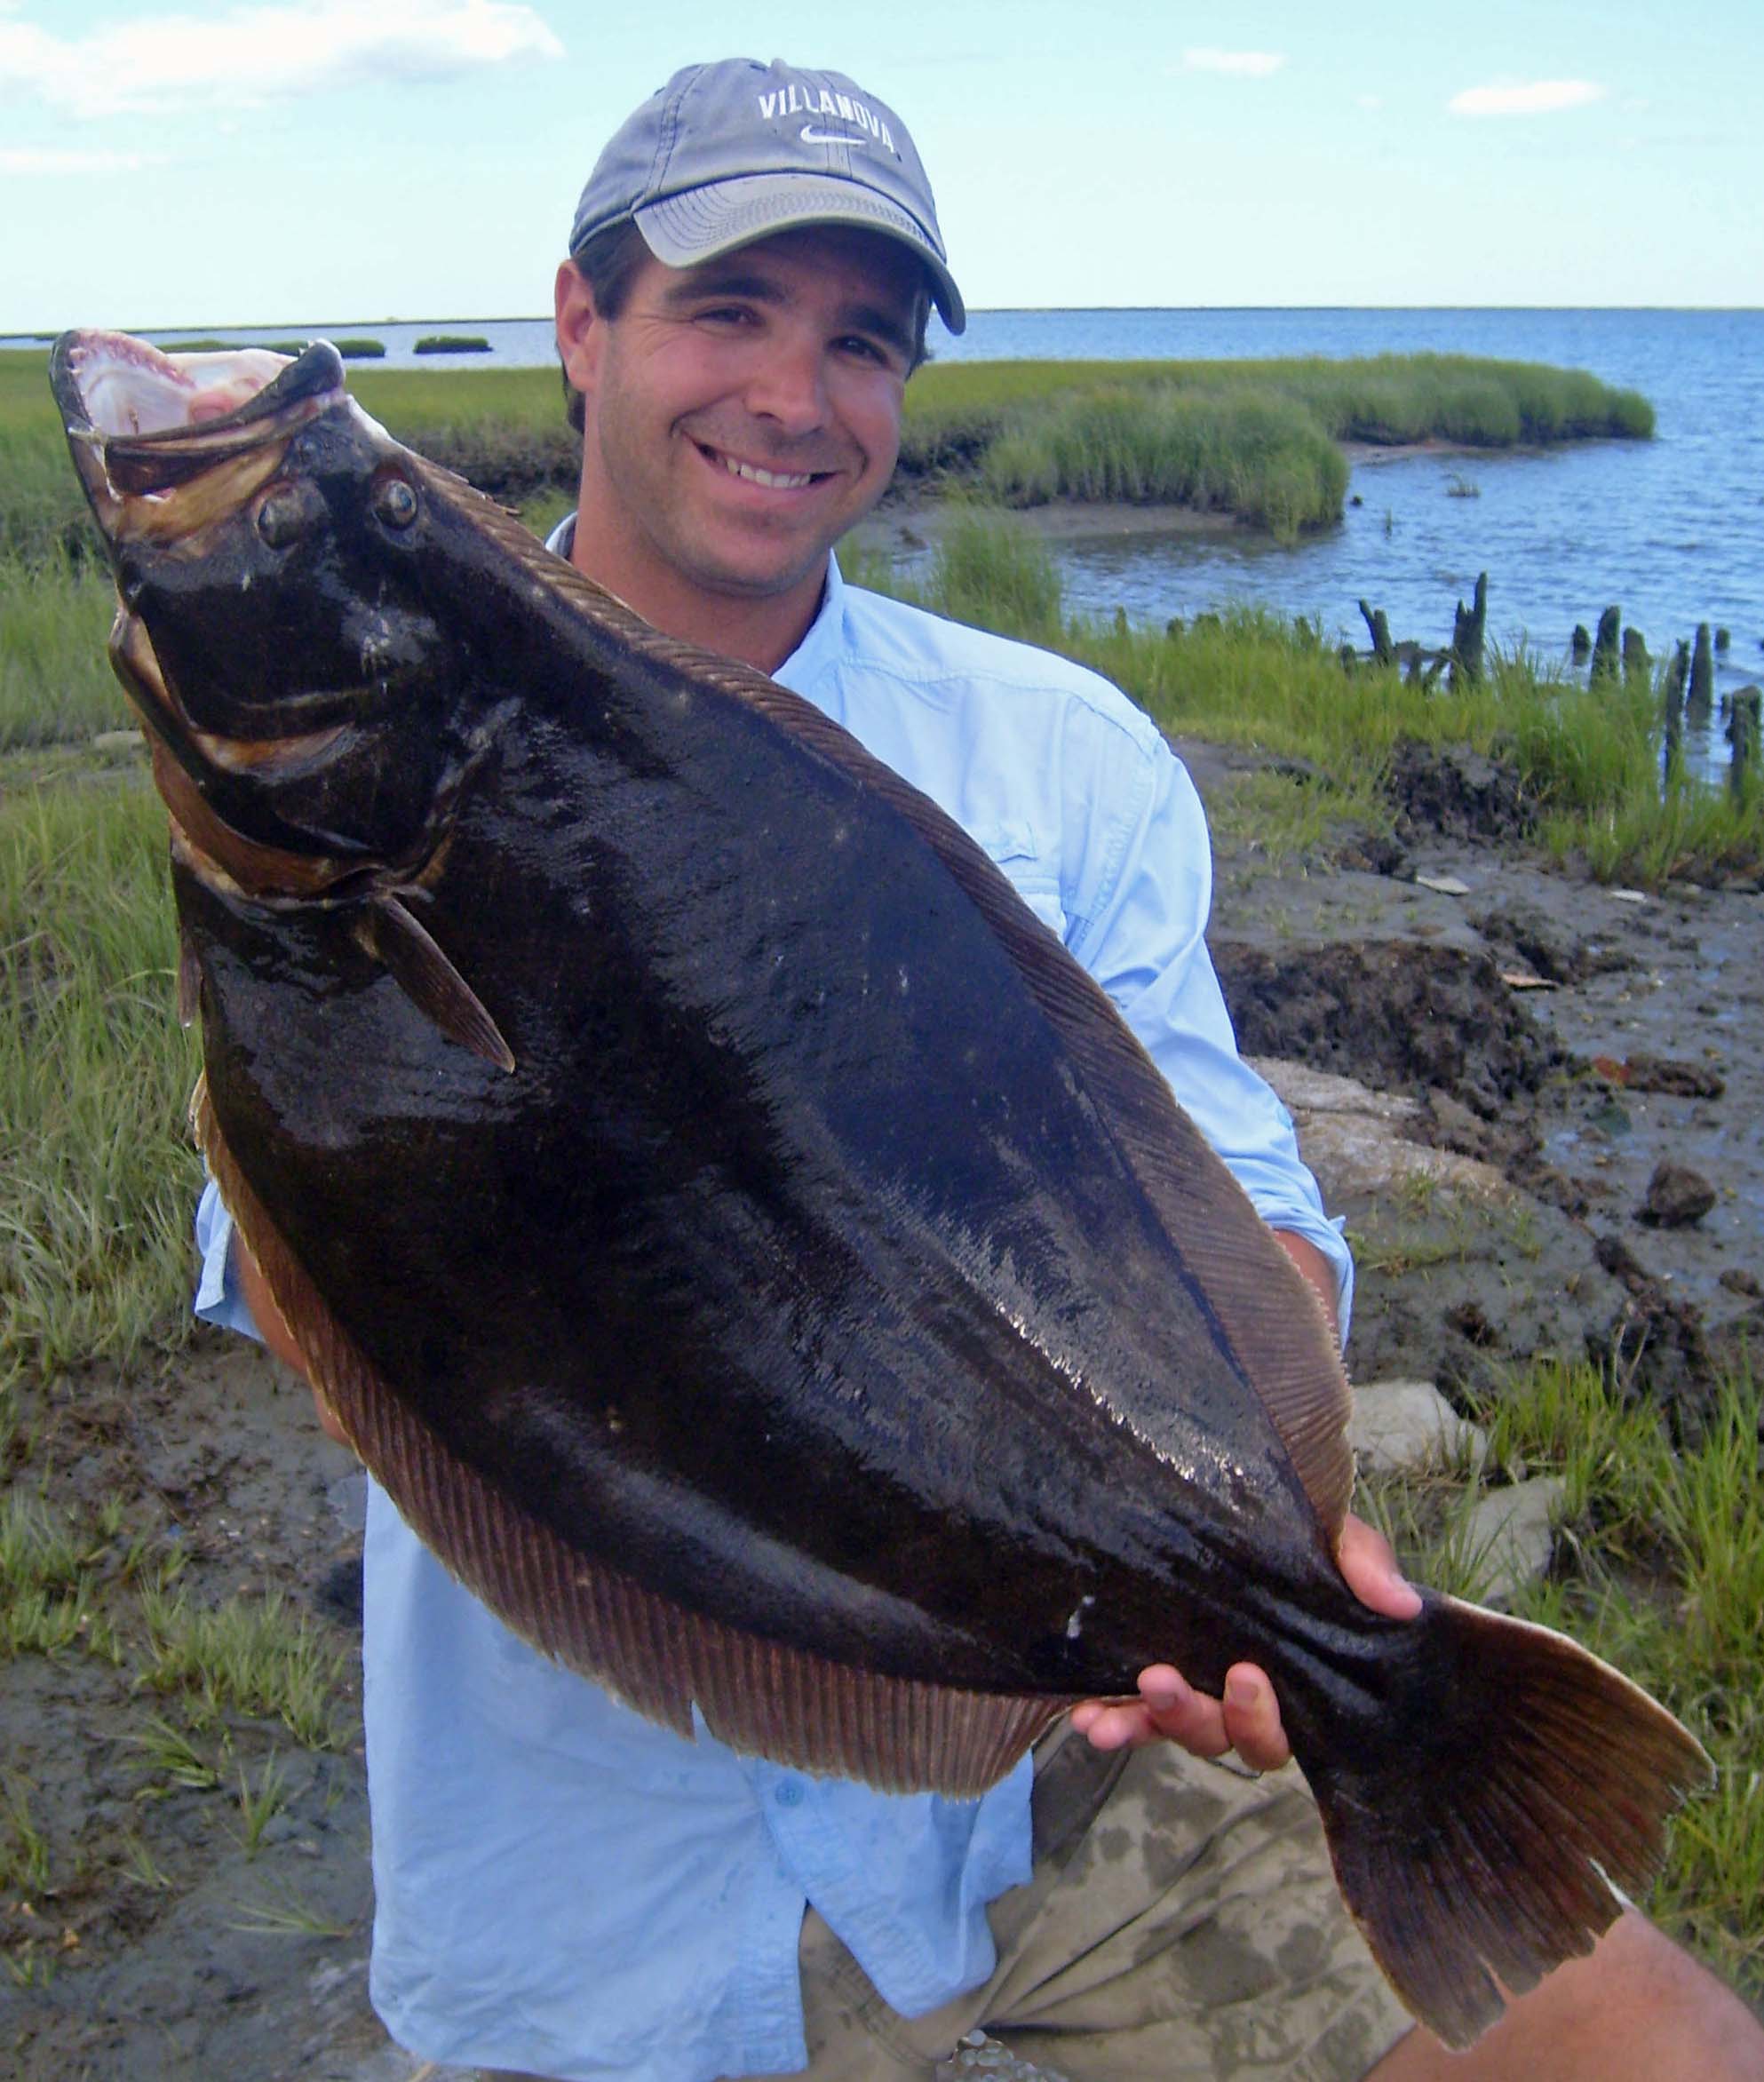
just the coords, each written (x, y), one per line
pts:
(1175, 1710)
(1369, 1569)
(1252, 1719)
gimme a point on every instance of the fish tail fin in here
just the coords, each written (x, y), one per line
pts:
(1505, 1838)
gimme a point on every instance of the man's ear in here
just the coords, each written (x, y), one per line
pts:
(579, 328)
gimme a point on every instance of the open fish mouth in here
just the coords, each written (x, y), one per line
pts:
(166, 443)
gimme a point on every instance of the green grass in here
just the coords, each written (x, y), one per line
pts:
(1261, 457)
(250, 1656)
(98, 1177)
(1660, 1570)
(56, 684)
(1256, 438)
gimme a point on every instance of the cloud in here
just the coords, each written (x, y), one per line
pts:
(25, 159)
(250, 55)
(1525, 97)
(1250, 65)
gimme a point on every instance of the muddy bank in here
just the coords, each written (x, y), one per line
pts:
(1588, 1047)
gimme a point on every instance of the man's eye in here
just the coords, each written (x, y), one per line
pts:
(865, 350)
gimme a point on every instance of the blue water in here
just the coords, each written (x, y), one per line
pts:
(1670, 530)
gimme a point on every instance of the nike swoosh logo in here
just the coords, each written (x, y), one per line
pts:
(811, 136)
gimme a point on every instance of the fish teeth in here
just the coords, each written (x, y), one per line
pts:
(774, 480)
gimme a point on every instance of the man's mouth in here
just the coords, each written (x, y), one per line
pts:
(754, 474)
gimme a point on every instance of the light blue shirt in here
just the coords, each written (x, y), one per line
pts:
(562, 1886)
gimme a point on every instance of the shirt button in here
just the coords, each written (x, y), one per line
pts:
(789, 1795)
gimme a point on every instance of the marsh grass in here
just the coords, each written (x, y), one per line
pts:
(98, 1177)
(1660, 1569)
(289, 1913)
(1261, 457)
(252, 1656)
(56, 684)
(1256, 438)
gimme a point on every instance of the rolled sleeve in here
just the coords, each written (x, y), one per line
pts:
(1146, 945)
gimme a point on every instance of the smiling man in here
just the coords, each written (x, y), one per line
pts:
(565, 1889)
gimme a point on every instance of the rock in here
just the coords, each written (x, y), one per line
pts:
(1362, 1142)
(1677, 1196)
(118, 740)
(1737, 1281)
(1512, 1535)
(1669, 1074)
(1408, 1427)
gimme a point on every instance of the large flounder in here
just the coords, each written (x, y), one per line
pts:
(754, 1256)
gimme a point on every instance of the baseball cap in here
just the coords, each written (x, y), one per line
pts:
(732, 152)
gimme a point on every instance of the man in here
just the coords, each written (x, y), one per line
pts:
(566, 1890)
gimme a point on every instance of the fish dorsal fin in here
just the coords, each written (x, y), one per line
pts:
(1272, 1319)
(388, 930)
(759, 1696)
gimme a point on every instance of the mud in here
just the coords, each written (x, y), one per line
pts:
(1493, 1172)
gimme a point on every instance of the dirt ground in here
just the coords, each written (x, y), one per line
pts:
(1515, 1222)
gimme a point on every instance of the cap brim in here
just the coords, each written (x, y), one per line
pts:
(704, 222)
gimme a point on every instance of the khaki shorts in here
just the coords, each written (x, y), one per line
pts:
(1182, 1926)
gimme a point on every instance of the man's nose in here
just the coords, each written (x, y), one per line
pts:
(790, 386)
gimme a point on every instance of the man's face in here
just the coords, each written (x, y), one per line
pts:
(741, 414)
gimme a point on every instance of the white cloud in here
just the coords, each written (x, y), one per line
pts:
(23, 159)
(1369, 100)
(1253, 65)
(1525, 97)
(250, 55)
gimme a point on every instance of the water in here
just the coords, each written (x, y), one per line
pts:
(1670, 530)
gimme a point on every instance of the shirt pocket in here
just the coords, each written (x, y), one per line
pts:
(1015, 854)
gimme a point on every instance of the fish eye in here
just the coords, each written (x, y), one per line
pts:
(281, 517)
(395, 501)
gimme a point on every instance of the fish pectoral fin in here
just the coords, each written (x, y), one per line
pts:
(393, 934)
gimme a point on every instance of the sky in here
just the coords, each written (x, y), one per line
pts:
(321, 161)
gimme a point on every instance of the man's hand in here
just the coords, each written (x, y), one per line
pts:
(1247, 1718)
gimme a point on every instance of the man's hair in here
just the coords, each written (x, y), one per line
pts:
(608, 263)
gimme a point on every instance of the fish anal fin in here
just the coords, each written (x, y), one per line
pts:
(758, 1695)
(1504, 1844)
(390, 932)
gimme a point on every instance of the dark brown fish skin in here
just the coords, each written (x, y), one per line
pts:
(720, 1020)
(799, 1267)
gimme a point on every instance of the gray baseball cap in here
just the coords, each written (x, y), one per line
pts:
(728, 153)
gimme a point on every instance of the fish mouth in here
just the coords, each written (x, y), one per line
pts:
(166, 443)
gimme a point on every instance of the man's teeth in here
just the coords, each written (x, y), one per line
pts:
(774, 480)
